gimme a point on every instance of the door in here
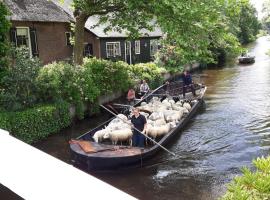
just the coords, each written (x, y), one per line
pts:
(128, 52)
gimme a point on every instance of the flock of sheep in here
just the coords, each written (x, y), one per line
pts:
(165, 115)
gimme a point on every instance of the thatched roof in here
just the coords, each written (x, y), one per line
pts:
(37, 10)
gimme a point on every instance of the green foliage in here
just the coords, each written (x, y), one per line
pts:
(19, 86)
(252, 185)
(248, 23)
(67, 82)
(108, 76)
(147, 71)
(167, 57)
(4, 28)
(36, 123)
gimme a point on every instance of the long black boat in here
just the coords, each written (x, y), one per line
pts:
(104, 156)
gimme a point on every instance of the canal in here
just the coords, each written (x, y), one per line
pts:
(233, 129)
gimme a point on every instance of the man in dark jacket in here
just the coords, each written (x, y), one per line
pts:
(139, 122)
(187, 83)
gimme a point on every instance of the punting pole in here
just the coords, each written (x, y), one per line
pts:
(140, 132)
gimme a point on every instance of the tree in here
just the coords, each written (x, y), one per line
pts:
(191, 26)
(4, 28)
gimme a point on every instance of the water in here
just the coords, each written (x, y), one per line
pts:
(232, 130)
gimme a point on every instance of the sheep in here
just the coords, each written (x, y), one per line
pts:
(119, 135)
(159, 122)
(187, 106)
(157, 131)
(172, 115)
(156, 115)
(143, 103)
(98, 136)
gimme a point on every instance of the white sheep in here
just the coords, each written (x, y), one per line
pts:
(119, 135)
(187, 106)
(98, 136)
(157, 131)
(156, 115)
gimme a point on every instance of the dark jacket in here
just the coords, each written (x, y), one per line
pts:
(187, 79)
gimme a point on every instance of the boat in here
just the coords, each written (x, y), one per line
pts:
(91, 156)
(246, 59)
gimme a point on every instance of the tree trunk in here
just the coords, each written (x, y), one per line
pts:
(79, 38)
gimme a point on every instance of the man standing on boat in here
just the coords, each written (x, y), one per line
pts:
(187, 83)
(139, 122)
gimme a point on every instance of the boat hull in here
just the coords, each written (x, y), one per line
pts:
(246, 60)
(129, 157)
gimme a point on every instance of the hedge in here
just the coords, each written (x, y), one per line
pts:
(36, 123)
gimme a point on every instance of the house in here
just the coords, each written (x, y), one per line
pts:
(116, 46)
(44, 27)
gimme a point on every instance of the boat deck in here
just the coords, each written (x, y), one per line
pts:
(103, 150)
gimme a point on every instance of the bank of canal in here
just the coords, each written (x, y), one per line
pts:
(232, 130)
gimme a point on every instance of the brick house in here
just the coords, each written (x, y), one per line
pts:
(44, 28)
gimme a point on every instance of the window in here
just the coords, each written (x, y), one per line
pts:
(25, 36)
(88, 50)
(154, 45)
(22, 37)
(113, 49)
(68, 38)
(137, 47)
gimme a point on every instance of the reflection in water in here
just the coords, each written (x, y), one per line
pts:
(233, 130)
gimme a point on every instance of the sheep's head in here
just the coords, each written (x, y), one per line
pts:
(107, 134)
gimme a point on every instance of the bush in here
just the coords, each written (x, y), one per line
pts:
(108, 76)
(19, 85)
(4, 28)
(36, 123)
(170, 59)
(147, 71)
(67, 82)
(252, 185)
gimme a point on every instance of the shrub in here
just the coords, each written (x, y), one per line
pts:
(148, 71)
(19, 86)
(67, 82)
(170, 59)
(4, 28)
(36, 123)
(108, 76)
(252, 185)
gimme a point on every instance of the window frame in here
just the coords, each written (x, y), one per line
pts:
(156, 44)
(137, 47)
(114, 52)
(29, 39)
(68, 43)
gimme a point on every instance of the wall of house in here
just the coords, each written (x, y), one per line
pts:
(90, 38)
(51, 40)
(143, 57)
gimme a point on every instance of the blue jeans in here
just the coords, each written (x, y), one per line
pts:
(137, 139)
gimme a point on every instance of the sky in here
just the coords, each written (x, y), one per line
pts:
(258, 5)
